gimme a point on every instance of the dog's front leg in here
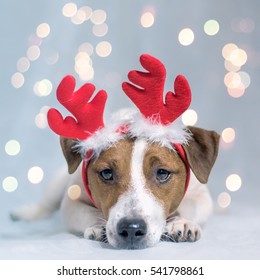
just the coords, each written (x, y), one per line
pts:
(83, 219)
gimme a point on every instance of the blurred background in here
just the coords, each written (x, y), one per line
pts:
(214, 44)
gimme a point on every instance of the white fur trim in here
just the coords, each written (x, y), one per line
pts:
(139, 127)
(165, 135)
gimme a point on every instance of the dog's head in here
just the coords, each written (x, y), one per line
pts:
(138, 184)
(134, 171)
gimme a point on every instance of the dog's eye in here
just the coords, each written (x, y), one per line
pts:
(106, 174)
(163, 175)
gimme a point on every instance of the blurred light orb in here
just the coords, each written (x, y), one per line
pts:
(228, 135)
(17, 80)
(41, 120)
(98, 16)
(83, 66)
(233, 182)
(231, 67)
(87, 48)
(43, 30)
(35, 175)
(12, 147)
(232, 80)
(23, 64)
(238, 57)
(189, 117)
(186, 37)
(245, 78)
(228, 49)
(87, 12)
(10, 184)
(224, 199)
(43, 88)
(100, 30)
(74, 192)
(69, 9)
(33, 52)
(53, 58)
(147, 19)
(245, 25)
(44, 109)
(79, 17)
(211, 27)
(103, 49)
(237, 92)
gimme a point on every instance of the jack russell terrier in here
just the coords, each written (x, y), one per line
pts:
(142, 177)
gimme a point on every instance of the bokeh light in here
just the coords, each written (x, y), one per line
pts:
(10, 184)
(12, 147)
(43, 30)
(87, 12)
(69, 9)
(100, 30)
(74, 192)
(211, 27)
(43, 88)
(17, 80)
(103, 49)
(41, 120)
(23, 64)
(35, 175)
(79, 17)
(228, 135)
(83, 66)
(245, 25)
(233, 182)
(186, 37)
(87, 48)
(224, 199)
(33, 52)
(98, 16)
(147, 19)
(189, 117)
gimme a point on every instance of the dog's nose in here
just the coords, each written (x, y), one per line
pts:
(131, 230)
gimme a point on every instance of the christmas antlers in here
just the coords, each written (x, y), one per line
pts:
(147, 92)
(89, 115)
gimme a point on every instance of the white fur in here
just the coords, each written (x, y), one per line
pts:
(137, 202)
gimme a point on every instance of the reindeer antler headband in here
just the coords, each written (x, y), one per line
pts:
(157, 121)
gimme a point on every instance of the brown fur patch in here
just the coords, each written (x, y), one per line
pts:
(117, 158)
(171, 192)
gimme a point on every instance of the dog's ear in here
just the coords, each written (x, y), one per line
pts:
(72, 157)
(201, 152)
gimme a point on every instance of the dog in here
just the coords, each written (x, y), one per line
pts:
(145, 183)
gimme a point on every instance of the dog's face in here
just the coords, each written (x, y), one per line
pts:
(137, 185)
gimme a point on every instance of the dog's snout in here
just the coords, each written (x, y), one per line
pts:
(131, 231)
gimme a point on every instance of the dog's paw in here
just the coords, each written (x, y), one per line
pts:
(182, 230)
(96, 233)
(30, 213)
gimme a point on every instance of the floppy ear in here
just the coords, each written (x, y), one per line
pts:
(72, 157)
(202, 151)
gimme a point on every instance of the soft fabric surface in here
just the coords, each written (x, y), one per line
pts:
(233, 235)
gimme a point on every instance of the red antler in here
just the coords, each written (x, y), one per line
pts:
(89, 115)
(147, 92)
